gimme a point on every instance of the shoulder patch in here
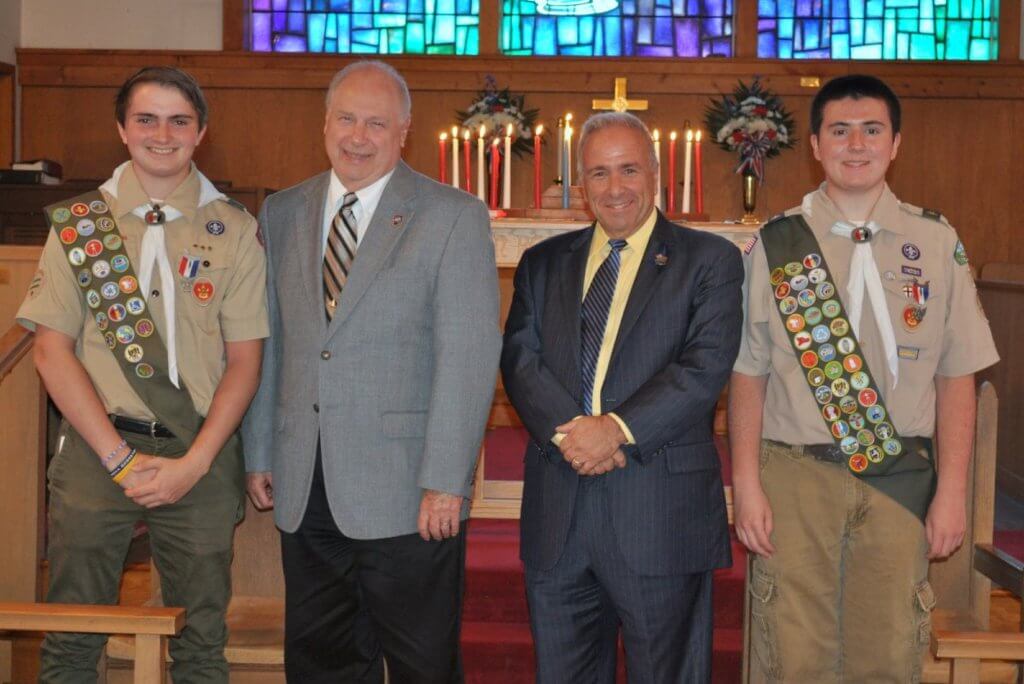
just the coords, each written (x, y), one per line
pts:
(236, 204)
(960, 254)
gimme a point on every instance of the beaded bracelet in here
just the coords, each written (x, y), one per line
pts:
(114, 452)
(123, 467)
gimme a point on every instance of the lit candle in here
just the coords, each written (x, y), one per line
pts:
(687, 164)
(506, 179)
(481, 192)
(657, 158)
(561, 147)
(698, 176)
(566, 135)
(568, 150)
(455, 156)
(442, 172)
(671, 172)
(495, 169)
(536, 166)
(467, 158)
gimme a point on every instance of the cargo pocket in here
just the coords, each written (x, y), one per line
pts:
(924, 602)
(762, 622)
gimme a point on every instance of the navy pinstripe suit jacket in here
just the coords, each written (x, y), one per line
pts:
(674, 352)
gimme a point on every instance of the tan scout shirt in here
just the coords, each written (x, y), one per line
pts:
(953, 338)
(233, 261)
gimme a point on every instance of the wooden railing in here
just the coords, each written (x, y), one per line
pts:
(14, 345)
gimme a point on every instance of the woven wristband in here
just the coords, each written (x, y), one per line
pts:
(124, 468)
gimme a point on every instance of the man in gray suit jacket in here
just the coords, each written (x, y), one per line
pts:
(377, 381)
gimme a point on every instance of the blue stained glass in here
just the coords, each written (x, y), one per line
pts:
(290, 44)
(663, 31)
(567, 34)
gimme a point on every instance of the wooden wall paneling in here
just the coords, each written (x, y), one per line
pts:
(744, 29)
(235, 25)
(1009, 30)
(7, 113)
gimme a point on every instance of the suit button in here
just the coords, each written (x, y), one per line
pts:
(316, 408)
(325, 355)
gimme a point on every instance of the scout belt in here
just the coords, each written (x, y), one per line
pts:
(95, 249)
(836, 371)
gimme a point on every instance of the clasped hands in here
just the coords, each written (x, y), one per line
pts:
(155, 481)
(591, 444)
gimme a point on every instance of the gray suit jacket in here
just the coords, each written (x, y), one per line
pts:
(398, 386)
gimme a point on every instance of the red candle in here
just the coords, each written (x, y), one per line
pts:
(467, 159)
(442, 146)
(536, 166)
(495, 171)
(671, 208)
(698, 177)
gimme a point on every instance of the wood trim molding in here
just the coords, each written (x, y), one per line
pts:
(235, 25)
(8, 88)
(1009, 31)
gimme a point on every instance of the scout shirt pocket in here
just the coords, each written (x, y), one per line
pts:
(917, 310)
(204, 292)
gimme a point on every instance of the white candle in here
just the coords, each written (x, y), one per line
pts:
(687, 164)
(481, 183)
(506, 185)
(455, 156)
(568, 149)
(657, 158)
(561, 146)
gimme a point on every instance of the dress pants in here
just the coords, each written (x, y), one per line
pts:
(348, 602)
(577, 606)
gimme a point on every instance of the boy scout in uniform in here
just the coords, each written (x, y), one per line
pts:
(863, 332)
(149, 312)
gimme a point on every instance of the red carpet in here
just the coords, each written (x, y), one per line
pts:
(497, 648)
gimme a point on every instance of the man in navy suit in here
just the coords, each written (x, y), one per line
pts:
(618, 343)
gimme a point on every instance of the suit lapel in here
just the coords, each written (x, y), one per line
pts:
(309, 238)
(661, 243)
(571, 272)
(393, 215)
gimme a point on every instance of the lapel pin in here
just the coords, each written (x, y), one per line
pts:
(661, 258)
(397, 220)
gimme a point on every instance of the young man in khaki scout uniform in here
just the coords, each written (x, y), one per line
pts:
(149, 312)
(863, 332)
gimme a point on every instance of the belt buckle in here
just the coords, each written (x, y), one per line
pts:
(152, 429)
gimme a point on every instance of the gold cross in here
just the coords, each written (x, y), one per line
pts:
(619, 102)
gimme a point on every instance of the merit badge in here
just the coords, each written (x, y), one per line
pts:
(812, 315)
(960, 254)
(911, 251)
(825, 290)
(916, 292)
(848, 404)
(858, 463)
(79, 209)
(798, 283)
(912, 317)
(868, 397)
(144, 371)
(852, 363)
(839, 327)
(202, 291)
(135, 305)
(100, 268)
(68, 235)
(908, 353)
(84, 277)
(815, 377)
(892, 447)
(830, 308)
(144, 327)
(857, 422)
(823, 395)
(777, 276)
(840, 388)
(846, 345)
(875, 414)
(215, 227)
(94, 248)
(809, 360)
(105, 223)
(827, 352)
(866, 437)
(830, 411)
(848, 445)
(98, 206)
(812, 261)
(802, 340)
(793, 268)
(817, 276)
(859, 379)
(840, 429)
(116, 313)
(76, 256)
(61, 215)
(910, 271)
(92, 298)
(111, 341)
(125, 334)
(128, 284)
(85, 227)
(820, 334)
(795, 323)
(885, 430)
(787, 305)
(112, 241)
(133, 353)
(874, 454)
(119, 263)
(833, 370)
(102, 321)
(109, 290)
(782, 291)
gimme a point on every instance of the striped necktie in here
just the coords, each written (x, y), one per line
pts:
(594, 317)
(339, 253)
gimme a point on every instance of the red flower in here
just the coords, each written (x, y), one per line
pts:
(771, 134)
(498, 108)
(760, 110)
(738, 136)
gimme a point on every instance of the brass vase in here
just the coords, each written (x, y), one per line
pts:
(749, 199)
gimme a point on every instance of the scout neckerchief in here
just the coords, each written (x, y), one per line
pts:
(835, 369)
(95, 250)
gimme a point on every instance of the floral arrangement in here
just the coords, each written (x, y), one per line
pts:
(752, 122)
(496, 109)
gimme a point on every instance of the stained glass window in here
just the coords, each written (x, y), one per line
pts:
(617, 28)
(380, 27)
(879, 29)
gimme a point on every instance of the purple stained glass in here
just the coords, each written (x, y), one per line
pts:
(260, 5)
(290, 44)
(688, 37)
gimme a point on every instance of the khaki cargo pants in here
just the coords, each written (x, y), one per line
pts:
(845, 598)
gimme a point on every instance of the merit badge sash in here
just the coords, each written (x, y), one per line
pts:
(836, 371)
(110, 288)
